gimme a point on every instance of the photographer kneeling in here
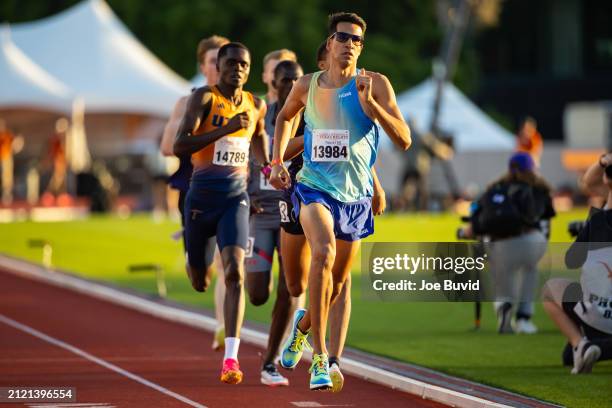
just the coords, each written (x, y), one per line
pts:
(514, 216)
(583, 311)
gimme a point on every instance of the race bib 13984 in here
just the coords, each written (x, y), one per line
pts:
(330, 145)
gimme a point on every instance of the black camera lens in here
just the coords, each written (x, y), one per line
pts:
(575, 227)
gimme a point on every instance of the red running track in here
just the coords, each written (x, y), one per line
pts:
(170, 365)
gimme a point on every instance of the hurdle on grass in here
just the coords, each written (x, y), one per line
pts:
(47, 250)
(159, 275)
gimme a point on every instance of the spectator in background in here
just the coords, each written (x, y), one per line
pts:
(158, 166)
(514, 213)
(415, 181)
(6, 162)
(56, 152)
(529, 140)
(270, 62)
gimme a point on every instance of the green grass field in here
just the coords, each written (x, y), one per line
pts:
(436, 335)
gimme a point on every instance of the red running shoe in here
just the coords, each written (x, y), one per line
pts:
(230, 373)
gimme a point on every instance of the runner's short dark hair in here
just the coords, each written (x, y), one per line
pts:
(284, 65)
(224, 49)
(344, 17)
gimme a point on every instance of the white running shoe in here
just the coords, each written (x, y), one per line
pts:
(585, 356)
(270, 376)
(525, 326)
(337, 378)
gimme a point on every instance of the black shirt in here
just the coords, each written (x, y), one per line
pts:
(597, 232)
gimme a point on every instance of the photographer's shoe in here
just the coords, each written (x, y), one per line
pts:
(585, 356)
(525, 326)
(504, 318)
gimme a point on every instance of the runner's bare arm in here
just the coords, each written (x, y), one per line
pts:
(279, 178)
(167, 143)
(293, 105)
(294, 147)
(376, 92)
(260, 139)
(296, 143)
(197, 110)
(379, 201)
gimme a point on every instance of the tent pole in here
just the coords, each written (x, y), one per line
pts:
(444, 69)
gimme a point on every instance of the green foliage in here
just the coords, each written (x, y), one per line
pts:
(402, 37)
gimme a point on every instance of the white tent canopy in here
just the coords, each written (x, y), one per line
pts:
(90, 50)
(198, 80)
(472, 129)
(27, 85)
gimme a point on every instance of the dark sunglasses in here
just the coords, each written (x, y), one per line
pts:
(344, 37)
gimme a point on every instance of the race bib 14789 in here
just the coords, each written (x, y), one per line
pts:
(330, 145)
(231, 151)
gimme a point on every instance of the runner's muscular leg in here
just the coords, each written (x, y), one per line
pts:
(346, 252)
(233, 264)
(295, 255)
(259, 280)
(339, 317)
(318, 226)
(219, 294)
(280, 317)
(295, 261)
(200, 277)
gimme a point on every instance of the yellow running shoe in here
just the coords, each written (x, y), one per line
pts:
(294, 346)
(319, 373)
(336, 377)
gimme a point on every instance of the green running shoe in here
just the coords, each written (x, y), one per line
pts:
(294, 345)
(319, 373)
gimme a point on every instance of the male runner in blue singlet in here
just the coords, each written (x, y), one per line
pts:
(334, 188)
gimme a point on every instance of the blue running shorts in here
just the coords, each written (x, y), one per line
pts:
(352, 221)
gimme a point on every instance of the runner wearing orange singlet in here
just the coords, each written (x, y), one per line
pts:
(217, 129)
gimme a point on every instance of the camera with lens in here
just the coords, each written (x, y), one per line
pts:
(574, 227)
(461, 234)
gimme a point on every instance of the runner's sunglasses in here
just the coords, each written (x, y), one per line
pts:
(344, 37)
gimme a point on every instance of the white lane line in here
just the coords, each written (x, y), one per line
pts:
(314, 404)
(19, 326)
(113, 359)
(70, 405)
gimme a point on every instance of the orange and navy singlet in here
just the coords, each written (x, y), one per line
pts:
(222, 166)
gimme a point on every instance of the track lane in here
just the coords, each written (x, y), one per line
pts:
(174, 356)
